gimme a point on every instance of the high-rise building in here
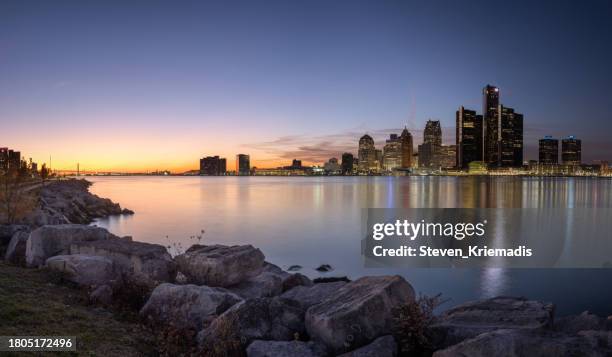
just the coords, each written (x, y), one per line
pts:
(347, 163)
(469, 137)
(571, 151)
(368, 161)
(445, 156)
(4, 159)
(213, 166)
(548, 150)
(433, 133)
(392, 155)
(490, 107)
(432, 141)
(243, 165)
(510, 137)
(14, 160)
(406, 139)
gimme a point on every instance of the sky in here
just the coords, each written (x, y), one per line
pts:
(146, 85)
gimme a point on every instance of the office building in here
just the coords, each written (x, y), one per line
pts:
(213, 166)
(367, 155)
(243, 165)
(433, 133)
(490, 107)
(4, 159)
(392, 155)
(571, 151)
(406, 139)
(510, 138)
(347, 163)
(469, 137)
(548, 151)
(332, 167)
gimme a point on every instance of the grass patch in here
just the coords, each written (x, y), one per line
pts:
(34, 303)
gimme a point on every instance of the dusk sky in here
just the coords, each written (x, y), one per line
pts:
(148, 85)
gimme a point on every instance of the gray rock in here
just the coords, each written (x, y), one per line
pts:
(16, 250)
(381, 347)
(143, 262)
(296, 279)
(219, 265)
(358, 313)
(314, 294)
(48, 241)
(275, 318)
(260, 348)
(473, 318)
(86, 270)
(102, 295)
(268, 283)
(584, 321)
(533, 343)
(187, 306)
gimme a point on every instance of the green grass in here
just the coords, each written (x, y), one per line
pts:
(34, 303)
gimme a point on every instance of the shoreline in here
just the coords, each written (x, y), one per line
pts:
(238, 282)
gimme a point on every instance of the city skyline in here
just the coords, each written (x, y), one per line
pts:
(168, 83)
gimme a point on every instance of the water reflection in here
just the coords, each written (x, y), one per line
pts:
(309, 221)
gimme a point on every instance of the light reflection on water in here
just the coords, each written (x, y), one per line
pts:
(310, 221)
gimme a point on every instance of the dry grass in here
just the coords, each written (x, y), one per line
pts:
(32, 302)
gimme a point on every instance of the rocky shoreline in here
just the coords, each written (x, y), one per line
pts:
(221, 300)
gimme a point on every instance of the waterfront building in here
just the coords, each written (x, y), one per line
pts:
(407, 151)
(477, 168)
(392, 155)
(433, 133)
(347, 163)
(279, 171)
(367, 155)
(332, 167)
(426, 153)
(213, 166)
(469, 137)
(243, 165)
(548, 151)
(571, 151)
(445, 156)
(490, 107)
(510, 138)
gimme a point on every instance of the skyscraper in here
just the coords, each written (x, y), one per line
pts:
(367, 155)
(433, 133)
(490, 107)
(548, 150)
(213, 166)
(469, 137)
(243, 165)
(4, 159)
(406, 140)
(347, 163)
(392, 155)
(571, 151)
(14, 160)
(510, 144)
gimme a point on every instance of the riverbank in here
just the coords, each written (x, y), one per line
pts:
(221, 300)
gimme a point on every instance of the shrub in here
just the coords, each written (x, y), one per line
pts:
(410, 323)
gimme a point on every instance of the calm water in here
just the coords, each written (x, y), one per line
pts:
(310, 221)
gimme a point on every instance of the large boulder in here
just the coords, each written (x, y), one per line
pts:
(358, 313)
(275, 318)
(473, 318)
(16, 250)
(582, 322)
(86, 270)
(260, 348)
(381, 347)
(220, 265)
(272, 281)
(143, 262)
(314, 294)
(533, 343)
(187, 306)
(48, 241)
